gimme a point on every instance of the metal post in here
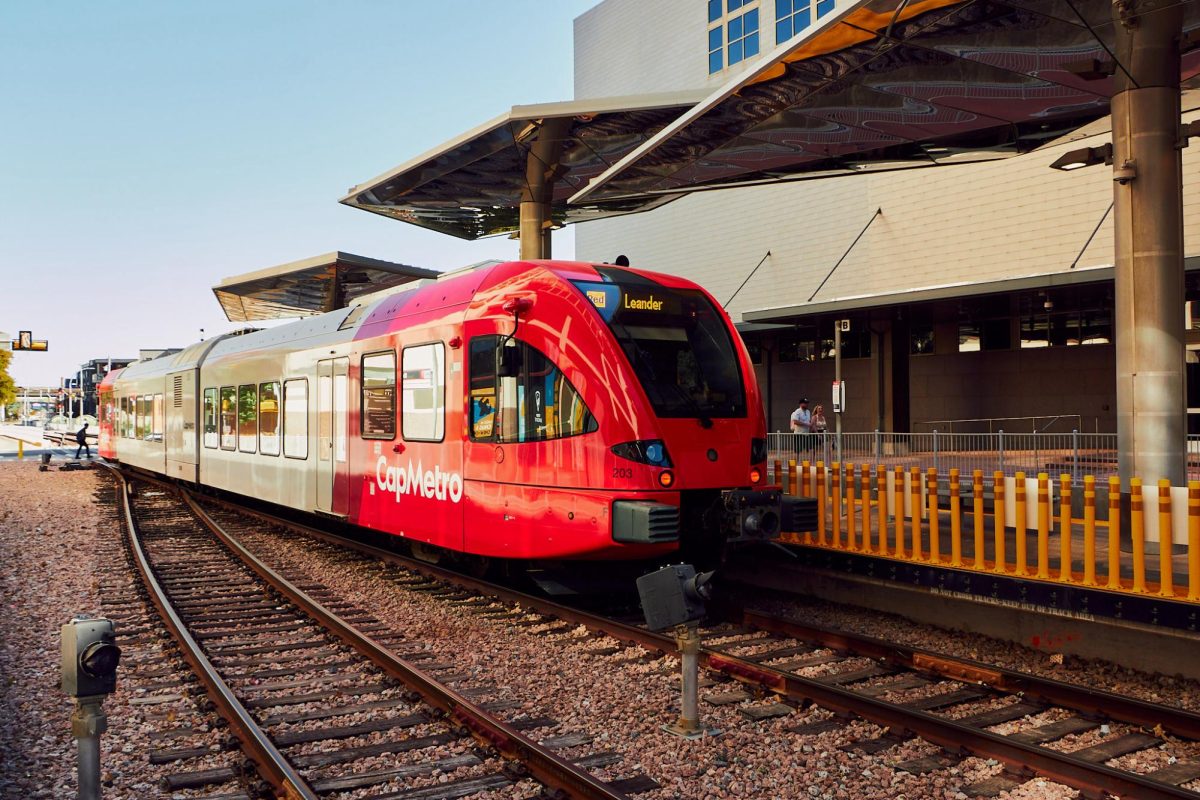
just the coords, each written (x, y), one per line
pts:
(1148, 233)
(1001, 449)
(541, 172)
(935, 449)
(687, 638)
(837, 376)
(1075, 455)
(87, 723)
(878, 446)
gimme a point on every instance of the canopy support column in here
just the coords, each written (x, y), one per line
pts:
(541, 173)
(1148, 221)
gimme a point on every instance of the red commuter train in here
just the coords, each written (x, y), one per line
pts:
(534, 410)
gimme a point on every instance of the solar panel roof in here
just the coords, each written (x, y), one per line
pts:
(471, 186)
(890, 84)
(311, 286)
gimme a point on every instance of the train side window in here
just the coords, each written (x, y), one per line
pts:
(295, 418)
(134, 403)
(143, 431)
(156, 418)
(537, 404)
(122, 413)
(423, 413)
(247, 418)
(210, 417)
(268, 418)
(228, 418)
(378, 418)
(127, 417)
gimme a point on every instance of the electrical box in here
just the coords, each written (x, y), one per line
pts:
(89, 657)
(671, 597)
(839, 397)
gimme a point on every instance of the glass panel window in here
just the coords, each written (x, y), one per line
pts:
(143, 418)
(228, 418)
(539, 403)
(423, 415)
(732, 35)
(157, 419)
(743, 37)
(268, 418)
(210, 417)
(247, 418)
(824, 7)
(791, 17)
(714, 10)
(295, 418)
(379, 396)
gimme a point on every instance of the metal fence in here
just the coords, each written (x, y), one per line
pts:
(1073, 453)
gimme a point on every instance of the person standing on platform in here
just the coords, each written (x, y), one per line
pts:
(818, 424)
(801, 424)
(81, 439)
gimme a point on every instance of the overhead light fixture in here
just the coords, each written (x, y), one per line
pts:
(1084, 157)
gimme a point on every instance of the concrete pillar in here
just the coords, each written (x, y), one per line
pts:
(537, 198)
(1148, 221)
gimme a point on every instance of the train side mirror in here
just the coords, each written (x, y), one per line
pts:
(508, 362)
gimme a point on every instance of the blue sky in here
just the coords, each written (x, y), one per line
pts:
(151, 149)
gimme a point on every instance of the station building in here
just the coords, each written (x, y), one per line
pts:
(980, 291)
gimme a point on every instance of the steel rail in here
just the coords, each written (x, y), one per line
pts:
(523, 753)
(272, 765)
(1077, 773)
(1178, 721)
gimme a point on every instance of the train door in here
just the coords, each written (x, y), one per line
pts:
(333, 388)
(182, 442)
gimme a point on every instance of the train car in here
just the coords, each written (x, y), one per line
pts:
(528, 410)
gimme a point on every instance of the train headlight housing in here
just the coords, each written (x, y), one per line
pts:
(652, 452)
(758, 451)
(666, 479)
(755, 476)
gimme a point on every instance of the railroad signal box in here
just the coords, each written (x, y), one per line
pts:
(89, 657)
(672, 596)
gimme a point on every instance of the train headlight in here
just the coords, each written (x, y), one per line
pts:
(652, 452)
(666, 479)
(755, 476)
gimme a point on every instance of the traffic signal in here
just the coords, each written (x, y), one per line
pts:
(89, 657)
(25, 341)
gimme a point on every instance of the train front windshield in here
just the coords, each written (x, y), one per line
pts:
(677, 343)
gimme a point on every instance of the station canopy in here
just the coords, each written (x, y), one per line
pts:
(472, 186)
(312, 286)
(891, 84)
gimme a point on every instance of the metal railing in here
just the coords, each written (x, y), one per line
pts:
(1059, 423)
(1073, 453)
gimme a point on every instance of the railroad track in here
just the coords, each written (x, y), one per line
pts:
(315, 690)
(907, 693)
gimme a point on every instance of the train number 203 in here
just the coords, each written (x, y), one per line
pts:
(622, 472)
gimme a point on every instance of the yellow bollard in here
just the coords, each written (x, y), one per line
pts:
(1043, 526)
(865, 501)
(914, 485)
(998, 527)
(1089, 530)
(1166, 541)
(955, 520)
(1114, 533)
(836, 476)
(779, 478)
(20, 449)
(820, 490)
(881, 507)
(1019, 526)
(898, 503)
(805, 479)
(1065, 572)
(1137, 532)
(977, 516)
(851, 482)
(790, 479)
(1193, 540)
(931, 489)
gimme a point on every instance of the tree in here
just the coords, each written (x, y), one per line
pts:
(8, 389)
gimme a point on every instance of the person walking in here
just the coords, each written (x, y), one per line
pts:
(818, 423)
(801, 424)
(81, 439)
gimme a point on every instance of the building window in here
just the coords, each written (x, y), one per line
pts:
(295, 418)
(268, 418)
(423, 414)
(985, 323)
(157, 416)
(379, 396)
(732, 32)
(1065, 318)
(791, 17)
(921, 340)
